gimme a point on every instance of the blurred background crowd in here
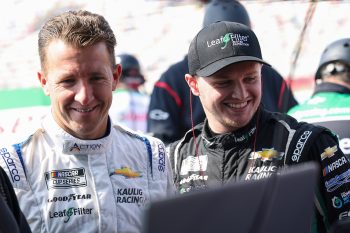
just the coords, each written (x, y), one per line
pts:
(292, 34)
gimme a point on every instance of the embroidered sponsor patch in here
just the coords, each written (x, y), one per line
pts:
(70, 197)
(66, 178)
(329, 152)
(337, 181)
(194, 164)
(257, 173)
(340, 201)
(300, 146)
(11, 165)
(334, 166)
(193, 177)
(71, 147)
(267, 155)
(126, 172)
(69, 213)
(161, 158)
(130, 196)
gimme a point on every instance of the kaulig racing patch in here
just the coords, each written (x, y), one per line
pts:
(66, 178)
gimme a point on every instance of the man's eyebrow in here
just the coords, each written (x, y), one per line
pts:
(94, 73)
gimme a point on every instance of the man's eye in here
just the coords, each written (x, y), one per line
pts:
(67, 81)
(222, 84)
(250, 79)
(96, 78)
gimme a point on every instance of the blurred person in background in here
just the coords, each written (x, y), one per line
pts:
(329, 105)
(169, 115)
(130, 104)
(79, 172)
(241, 140)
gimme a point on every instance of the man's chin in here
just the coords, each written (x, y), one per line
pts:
(237, 123)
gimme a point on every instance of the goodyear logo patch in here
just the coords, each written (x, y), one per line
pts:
(66, 178)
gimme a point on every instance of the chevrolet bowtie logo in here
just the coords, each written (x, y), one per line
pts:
(126, 172)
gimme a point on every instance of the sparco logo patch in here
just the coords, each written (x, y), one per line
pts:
(67, 178)
(161, 159)
(300, 146)
(10, 164)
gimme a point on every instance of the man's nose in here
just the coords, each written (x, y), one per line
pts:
(239, 91)
(84, 93)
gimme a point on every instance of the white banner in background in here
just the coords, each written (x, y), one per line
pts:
(18, 123)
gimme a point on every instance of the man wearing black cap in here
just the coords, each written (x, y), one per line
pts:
(173, 110)
(239, 139)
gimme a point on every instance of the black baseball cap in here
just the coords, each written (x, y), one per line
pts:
(220, 44)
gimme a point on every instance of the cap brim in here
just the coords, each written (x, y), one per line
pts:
(218, 65)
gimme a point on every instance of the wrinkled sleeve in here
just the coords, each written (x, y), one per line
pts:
(18, 193)
(161, 176)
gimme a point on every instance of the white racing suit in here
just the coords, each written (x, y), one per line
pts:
(65, 184)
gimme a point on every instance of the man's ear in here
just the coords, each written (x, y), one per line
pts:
(43, 83)
(193, 84)
(117, 72)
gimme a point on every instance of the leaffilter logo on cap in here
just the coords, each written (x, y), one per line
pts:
(237, 39)
(226, 39)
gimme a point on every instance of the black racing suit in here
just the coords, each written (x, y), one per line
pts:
(270, 141)
(169, 116)
(11, 216)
